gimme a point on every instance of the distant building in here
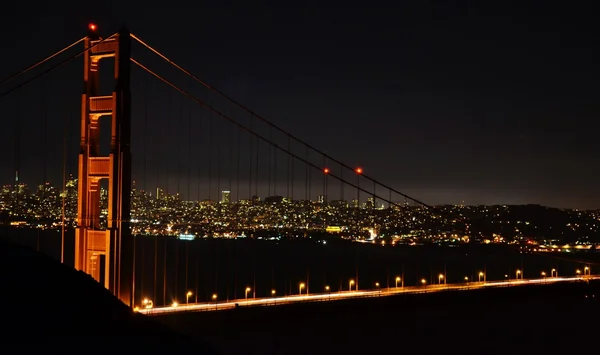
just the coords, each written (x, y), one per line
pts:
(225, 196)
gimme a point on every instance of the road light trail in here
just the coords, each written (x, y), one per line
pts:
(384, 292)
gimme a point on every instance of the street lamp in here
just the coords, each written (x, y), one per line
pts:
(423, 282)
(351, 283)
(147, 303)
(481, 275)
(578, 272)
(553, 273)
(397, 280)
(214, 298)
(300, 287)
(544, 275)
(519, 274)
(175, 304)
(440, 278)
(246, 293)
(466, 278)
(586, 271)
(187, 297)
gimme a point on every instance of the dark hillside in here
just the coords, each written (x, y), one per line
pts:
(45, 302)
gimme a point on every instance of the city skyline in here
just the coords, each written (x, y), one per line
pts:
(215, 194)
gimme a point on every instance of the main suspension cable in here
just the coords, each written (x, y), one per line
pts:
(24, 71)
(271, 124)
(258, 136)
(52, 68)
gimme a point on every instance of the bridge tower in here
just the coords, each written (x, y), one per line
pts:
(106, 253)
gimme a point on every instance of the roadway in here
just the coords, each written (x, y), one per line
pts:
(332, 296)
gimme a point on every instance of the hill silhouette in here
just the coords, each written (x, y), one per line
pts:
(46, 302)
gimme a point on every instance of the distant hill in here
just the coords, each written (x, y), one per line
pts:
(45, 302)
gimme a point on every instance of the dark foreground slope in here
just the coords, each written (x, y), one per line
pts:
(45, 302)
(549, 319)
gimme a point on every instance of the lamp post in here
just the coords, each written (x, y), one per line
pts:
(246, 293)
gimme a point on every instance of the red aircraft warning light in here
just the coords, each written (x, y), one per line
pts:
(326, 170)
(359, 170)
(92, 27)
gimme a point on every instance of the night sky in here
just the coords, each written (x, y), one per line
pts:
(478, 104)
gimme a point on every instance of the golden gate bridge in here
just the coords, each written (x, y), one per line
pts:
(200, 143)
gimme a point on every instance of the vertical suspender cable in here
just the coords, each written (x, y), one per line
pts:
(292, 168)
(306, 183)
(64, 189)
(289, 161)
(274, 172)
(210, 146)
(342, 183)
(189, 197)
(199, 215)
(250, 162)
(229, 144)
(269, 153)
(44, 150)
(17, 156)
(238, 167)
(257, 167)
(165, 245)
(157, 154)
(178, 128)
(309, 173)
(197, 161)
(325, 173)
(219, 129)
(141, 235)
(168, 131)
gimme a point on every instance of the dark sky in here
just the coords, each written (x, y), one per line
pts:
(488, 103)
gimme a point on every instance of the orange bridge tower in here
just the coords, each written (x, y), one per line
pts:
(106, 252)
